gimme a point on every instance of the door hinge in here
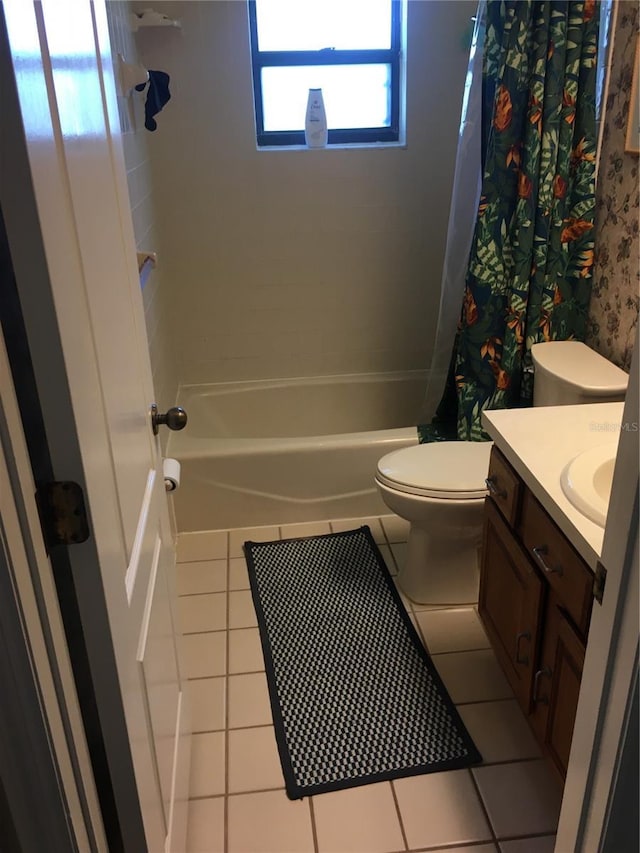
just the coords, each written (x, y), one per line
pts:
(63, 513)
(599, 581)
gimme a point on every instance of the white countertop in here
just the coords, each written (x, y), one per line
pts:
(540, 442)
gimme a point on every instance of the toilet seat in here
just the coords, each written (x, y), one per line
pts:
(448, 470)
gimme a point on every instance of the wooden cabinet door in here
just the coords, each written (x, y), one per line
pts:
(510, 604)
(557, 686)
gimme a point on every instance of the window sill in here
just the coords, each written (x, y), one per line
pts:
(333, 146)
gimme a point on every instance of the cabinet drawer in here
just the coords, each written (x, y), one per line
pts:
(504, 486)
(565, 571)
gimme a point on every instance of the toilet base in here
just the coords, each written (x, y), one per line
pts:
(441, 571)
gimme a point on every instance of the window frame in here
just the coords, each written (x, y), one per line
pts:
(329, 56)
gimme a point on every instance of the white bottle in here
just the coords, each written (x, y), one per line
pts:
(315, 125)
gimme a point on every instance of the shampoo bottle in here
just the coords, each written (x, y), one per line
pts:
(315, 126)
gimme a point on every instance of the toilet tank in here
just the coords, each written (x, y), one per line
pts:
(568, 372)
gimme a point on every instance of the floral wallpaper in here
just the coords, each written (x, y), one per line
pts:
(613, 311)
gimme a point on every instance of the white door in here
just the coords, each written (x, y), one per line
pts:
(67, 216)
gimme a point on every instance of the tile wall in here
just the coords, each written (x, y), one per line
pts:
(293, 263)
(156, 294)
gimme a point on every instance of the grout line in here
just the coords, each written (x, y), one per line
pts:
(237, 794)
(434, 608)
(226, 707)
(314, 829)
(455, 846)
(195, 633)
(204, 592)
(464, 651)
(206, 677)
(485, 701)
(200, 560)
(208, 797)
(246, 728)
(221, 630)
(529, 760)
(405, 840)
(212, 631)
(420, 633)
(506, 761)
(455, 651)
(521, 837)
(483, 807)
(213, 732)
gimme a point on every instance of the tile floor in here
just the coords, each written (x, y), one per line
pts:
(509, 804)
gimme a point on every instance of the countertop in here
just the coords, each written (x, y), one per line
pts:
(540, 442)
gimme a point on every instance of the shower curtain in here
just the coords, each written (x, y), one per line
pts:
(529, 270)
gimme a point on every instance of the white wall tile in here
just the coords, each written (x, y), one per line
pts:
(295, 263)
(144, 213)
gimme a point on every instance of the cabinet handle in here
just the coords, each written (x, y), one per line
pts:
(494, 491)
(523, 635)
(536, 681)
(540, 553)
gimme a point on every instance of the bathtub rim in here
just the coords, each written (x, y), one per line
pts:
(182, 445)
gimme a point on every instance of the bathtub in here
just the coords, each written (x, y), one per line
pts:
(284, 451)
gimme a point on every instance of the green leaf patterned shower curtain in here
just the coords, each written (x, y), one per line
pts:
(530, 268)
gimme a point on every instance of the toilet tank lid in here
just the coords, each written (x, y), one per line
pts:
(579, 366)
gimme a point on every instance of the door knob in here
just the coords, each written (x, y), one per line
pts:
(175, 418)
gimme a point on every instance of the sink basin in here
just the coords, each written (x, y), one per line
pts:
(586, 481)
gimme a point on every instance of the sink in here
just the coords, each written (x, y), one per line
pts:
(586, 481)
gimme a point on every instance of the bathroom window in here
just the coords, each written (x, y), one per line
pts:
(351, 49)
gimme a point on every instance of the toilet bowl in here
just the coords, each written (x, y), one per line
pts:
(440, 489)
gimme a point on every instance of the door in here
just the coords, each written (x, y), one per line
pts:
(67, 215)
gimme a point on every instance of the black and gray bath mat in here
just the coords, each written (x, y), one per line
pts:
(355, 697)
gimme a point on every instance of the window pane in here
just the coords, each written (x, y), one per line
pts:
(315, 24)
(354, 95)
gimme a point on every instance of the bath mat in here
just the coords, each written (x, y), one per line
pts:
(355, 697)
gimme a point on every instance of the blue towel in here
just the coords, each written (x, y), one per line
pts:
(157, 96)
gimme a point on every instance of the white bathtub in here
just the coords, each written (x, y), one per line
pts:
(283, 451)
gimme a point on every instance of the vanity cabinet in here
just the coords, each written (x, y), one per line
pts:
(535, 602)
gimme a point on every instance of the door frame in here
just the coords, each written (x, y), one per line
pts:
(597, 755)
(45, 759)
(29, 764)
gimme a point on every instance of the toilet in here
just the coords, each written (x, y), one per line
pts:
(439, 488)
